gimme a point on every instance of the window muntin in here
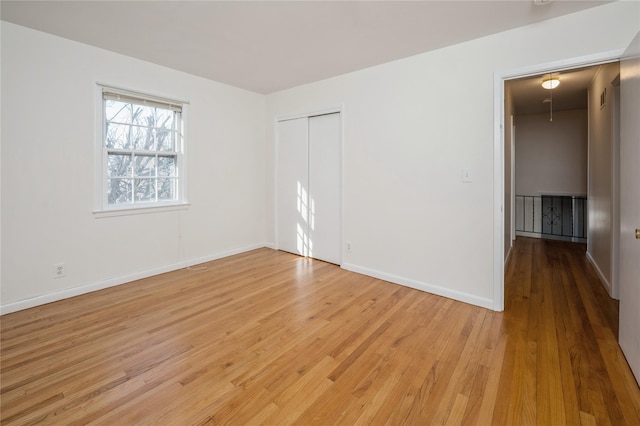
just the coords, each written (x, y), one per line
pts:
(142, 151)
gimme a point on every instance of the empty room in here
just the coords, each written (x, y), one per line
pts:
(316, 212)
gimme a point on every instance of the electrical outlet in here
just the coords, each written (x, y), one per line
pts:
(59, 270)
(467, 176)
(348, 246)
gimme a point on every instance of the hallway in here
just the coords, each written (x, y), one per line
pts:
(562, 364)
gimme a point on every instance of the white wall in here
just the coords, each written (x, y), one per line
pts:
(600, 237)
(551, 157)
(48, 141)
(411, 126)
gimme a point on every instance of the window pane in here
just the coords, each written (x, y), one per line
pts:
(166, 165)
(164, 118)
(117, 136)
(165, 139)
(117, 111)
(145, 165)
(145, 190)
(142, 138)
(119, 165)
(119, 191)
(166, 189)
(143, 115)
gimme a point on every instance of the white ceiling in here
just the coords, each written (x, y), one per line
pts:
(266, 46)
(528, 94)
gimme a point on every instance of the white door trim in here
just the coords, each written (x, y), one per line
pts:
(310, 113)
(499, 78)
(615, 193)
(513, 180)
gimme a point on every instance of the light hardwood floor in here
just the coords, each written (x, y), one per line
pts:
(266, 337)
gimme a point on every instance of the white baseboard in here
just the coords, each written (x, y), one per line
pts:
(111, 282)
(88, 288)
(418, 285)
(508, 256)
(605, 282)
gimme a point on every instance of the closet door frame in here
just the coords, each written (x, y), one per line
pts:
(308, 114)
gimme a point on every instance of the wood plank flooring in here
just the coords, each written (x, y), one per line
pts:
(266, 337)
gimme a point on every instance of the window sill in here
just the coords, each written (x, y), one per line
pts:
(128, 211)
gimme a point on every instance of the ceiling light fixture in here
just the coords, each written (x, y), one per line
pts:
(550, 83)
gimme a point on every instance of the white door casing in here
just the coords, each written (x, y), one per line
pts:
(629, 282)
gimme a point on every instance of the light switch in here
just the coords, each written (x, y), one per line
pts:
(467, 176)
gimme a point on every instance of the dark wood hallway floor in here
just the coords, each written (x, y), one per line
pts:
(266, 337)
(566, 365)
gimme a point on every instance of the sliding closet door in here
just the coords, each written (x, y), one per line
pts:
(308, 187)
(293, 186)
(324, 187)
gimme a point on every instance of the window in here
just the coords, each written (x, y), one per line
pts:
(142, 143)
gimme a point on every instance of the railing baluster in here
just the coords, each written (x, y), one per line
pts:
(533, 214)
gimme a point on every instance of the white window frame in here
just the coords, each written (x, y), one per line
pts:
(102, 207)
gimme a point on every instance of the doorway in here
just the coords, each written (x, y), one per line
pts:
(628, 126)
(565, 161)
(548, 170)
(502, 207)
